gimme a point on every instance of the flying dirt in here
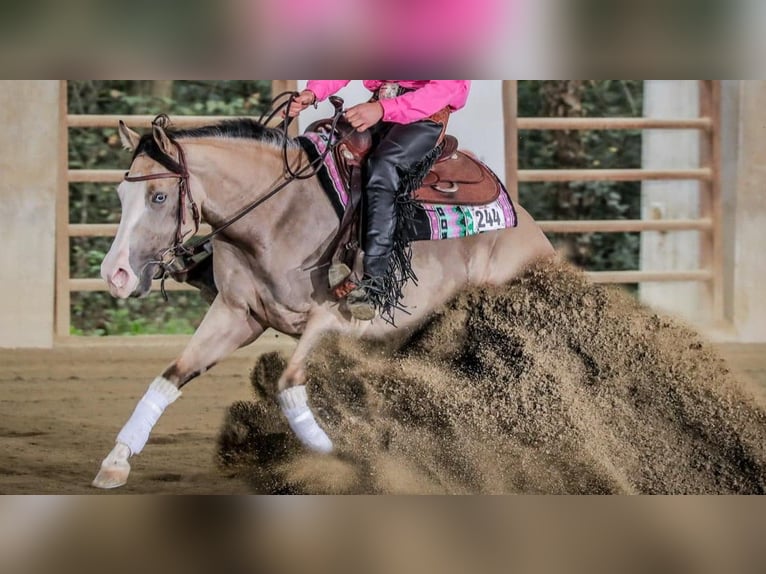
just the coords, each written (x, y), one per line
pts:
(549, 384)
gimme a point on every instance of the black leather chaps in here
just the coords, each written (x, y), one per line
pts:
(397, 152)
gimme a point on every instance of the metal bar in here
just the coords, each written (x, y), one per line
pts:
(627, 277)
(141, 121)
(510, 115)
(625, 226)
(523, 124)
(98, 286)
(580, 226)
(63, 297)
(711, 204)
(110, 230)
(616, 277)
(565, 175)
(525, 176)
(593, 124)
(96, 175)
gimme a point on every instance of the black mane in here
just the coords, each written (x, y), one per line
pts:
(244, 128)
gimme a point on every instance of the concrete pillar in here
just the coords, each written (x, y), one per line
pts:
(29, 178)
(749, 293)
(672, 251)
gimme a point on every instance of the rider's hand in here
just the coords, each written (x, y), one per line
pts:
(364, 116)
(304, 100)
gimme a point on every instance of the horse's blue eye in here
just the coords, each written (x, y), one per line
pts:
(159, 198)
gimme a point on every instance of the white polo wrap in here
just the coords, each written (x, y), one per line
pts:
(295, 406)
(135, 434)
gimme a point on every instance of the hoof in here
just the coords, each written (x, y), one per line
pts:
(114, 470)
(111, 477)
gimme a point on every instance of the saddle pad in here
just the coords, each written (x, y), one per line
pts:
(432, 221)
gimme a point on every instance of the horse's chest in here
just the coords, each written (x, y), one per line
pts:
(281, 316)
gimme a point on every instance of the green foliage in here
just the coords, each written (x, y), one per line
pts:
(98, 314)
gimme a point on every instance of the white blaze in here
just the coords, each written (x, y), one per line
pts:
(115, 269)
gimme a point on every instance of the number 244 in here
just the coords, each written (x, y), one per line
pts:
(488, 218)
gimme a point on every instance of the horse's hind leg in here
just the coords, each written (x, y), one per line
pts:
(223, 331)
(293, 397)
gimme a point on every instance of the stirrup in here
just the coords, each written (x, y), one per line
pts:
(338, 274)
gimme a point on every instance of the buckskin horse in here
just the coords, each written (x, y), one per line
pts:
(270, 265)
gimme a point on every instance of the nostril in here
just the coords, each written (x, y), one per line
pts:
(120, 278)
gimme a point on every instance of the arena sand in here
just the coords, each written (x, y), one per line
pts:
(547, 385)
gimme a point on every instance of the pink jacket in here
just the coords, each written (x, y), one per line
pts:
(430, 97)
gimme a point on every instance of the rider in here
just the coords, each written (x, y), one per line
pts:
(407, 119)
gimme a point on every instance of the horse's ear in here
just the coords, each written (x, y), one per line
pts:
(161, 138)
(129, 138)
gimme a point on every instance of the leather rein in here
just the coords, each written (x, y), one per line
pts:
(169, 259)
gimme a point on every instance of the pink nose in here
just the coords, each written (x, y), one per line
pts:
(119, 278)
(122, 281)
(118, 274)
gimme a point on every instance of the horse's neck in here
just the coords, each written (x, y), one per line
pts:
(296, 224)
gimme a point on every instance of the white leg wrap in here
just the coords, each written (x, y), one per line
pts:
(295, 406)
(135, 434)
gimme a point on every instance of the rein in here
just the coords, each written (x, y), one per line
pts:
(169, 259)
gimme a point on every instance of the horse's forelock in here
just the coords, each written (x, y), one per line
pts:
(149, 147)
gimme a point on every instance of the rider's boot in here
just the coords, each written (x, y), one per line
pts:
(363, 302)
(360, 301)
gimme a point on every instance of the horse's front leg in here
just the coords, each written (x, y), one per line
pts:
(225, 329)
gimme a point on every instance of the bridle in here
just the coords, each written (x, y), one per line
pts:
(177, 260)
(184, 193)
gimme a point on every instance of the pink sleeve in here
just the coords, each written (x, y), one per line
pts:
(323, 89)
(426, 101)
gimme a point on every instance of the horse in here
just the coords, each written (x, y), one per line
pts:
(270, 266)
